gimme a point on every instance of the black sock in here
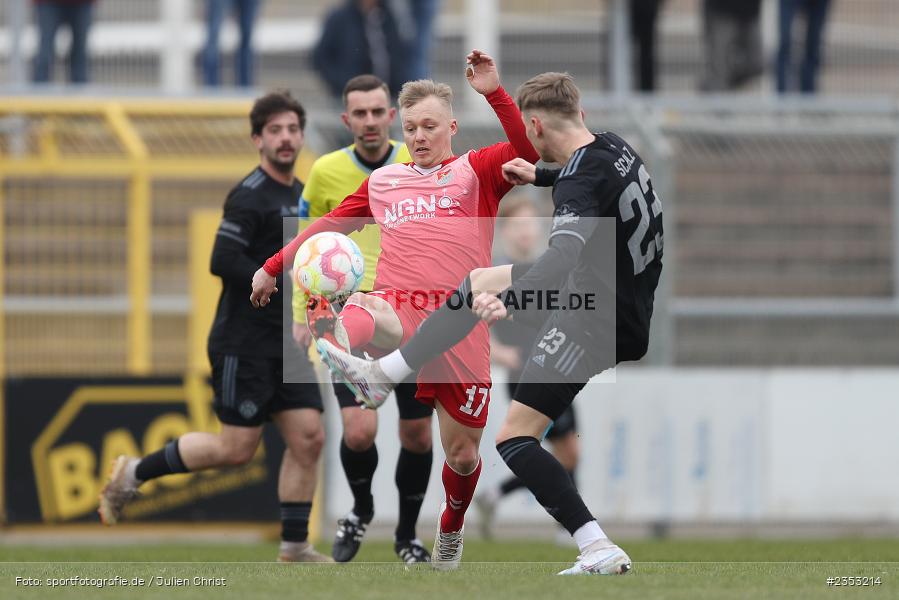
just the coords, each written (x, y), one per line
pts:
(162, 462)
(514, 483)
(360, 468)
(413, 470)
(510, 485)
(295, 521)
(547, 480)
(443, 329)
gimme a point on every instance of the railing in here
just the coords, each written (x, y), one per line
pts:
(767, 164)
(781, 216)
(107, 154)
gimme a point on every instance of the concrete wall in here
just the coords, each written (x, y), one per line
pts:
(699, 446)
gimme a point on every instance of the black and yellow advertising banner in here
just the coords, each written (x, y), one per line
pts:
(61, 436)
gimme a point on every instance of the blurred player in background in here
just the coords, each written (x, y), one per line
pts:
(437, 218)
(368, 116)
(518, 229)
(245, 348)
(602, 177)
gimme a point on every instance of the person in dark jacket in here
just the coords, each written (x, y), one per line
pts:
(360, 37)
(733, 43)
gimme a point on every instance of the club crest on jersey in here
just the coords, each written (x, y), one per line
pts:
(444, 176)
(565, 217)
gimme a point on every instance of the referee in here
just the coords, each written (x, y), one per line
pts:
(245, 347)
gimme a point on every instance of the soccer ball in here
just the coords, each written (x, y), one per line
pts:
(329, 264)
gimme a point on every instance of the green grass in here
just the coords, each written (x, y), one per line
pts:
(507, 571)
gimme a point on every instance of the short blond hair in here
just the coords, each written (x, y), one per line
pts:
(414, 92)
(551, 92)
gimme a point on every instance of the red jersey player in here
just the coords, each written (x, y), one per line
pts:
(436, 217)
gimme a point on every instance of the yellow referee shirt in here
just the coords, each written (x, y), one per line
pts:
(332, 178)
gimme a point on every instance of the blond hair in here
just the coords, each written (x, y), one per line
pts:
(414, 92)
(551, 92)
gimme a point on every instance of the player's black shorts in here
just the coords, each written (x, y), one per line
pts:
(248, 390)
(564, 425)
(564, 357)
(409, 407)
(530, 315)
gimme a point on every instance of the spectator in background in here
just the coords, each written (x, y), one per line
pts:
(243, 59)
(361, 37)
(50, 14)
(815, 17)
(733, 43)
(643, 29)
(252, 372)
(423, 14)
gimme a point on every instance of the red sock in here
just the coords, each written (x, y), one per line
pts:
(359, 325)
(459, 492)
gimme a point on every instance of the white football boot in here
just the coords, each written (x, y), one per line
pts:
(600, 558)
(364, 377)
(295, 552)
(119, 490)
(447, 552)
(485, 504)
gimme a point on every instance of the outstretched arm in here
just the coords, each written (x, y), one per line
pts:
(483, 77)
(352, 214)
(548, 272)
(520, 172)
(487, 162)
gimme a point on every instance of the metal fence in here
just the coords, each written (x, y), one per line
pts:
(782, 236)
(782, 228)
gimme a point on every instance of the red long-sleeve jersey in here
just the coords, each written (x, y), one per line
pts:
(436, 224)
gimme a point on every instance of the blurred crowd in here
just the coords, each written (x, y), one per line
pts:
(392, 39)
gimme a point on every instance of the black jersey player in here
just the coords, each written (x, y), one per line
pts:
(602, 179)
(245, 347)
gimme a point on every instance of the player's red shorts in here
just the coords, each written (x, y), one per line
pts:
(442, 379)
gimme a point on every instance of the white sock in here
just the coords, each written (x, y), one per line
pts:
(395, 367)
(131, 473)
(588, 534)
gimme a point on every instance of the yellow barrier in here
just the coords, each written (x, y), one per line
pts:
(153, 149)
(204, 287)
(141, 142)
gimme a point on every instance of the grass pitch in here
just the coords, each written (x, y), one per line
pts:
(519, 570)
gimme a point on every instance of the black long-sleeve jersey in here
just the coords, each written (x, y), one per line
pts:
(605, 178)
(251, 230)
